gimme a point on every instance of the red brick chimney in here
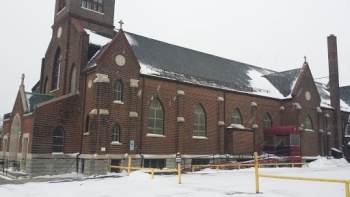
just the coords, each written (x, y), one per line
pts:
(334, 89)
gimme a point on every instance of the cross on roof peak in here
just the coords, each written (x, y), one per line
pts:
(121, 24)
(305, 58)
(23, 76)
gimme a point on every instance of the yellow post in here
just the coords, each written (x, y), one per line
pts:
(192, 169)
(129, 165)
(292, 165)
(152, 175)
(179, 172)
(217, 168)
(239, 167)
(276, 165)
(256, 172)
(347, 193)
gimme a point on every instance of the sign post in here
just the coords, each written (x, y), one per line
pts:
(178, 162)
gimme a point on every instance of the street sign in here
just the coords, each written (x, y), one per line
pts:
(132, 144)
(178, 158)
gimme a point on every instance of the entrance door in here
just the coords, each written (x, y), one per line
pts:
(4, 148)
(24, 153)
(228, 142)
(14, 137)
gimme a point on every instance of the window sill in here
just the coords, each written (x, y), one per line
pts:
(309, 130)
(93, 10)
(116, 143)
(52, 91)
(118, 102)
(86, 133)
(154, 135)
(199, 138)
(58, 153)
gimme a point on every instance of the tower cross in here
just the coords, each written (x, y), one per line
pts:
(121, 24)
(23, 76)
(305, 58)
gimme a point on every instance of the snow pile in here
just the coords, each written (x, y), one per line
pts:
(139, 175)
(323, 162)
(206, 184)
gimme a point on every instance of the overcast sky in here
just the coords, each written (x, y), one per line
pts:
(272, 34)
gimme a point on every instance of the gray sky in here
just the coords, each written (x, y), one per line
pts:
(272, 34)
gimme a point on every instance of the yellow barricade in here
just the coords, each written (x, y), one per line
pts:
(239, 165)
(129, 168)
(257, 175)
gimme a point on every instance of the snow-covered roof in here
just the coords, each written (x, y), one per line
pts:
(97, 39)
(167, 61)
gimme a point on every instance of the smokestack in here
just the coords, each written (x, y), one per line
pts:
(334, 89)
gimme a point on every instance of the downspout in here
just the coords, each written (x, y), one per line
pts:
(224, 121)
(82, 116)
(142, 99)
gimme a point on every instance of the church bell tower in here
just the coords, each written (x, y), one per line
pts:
(96, 15)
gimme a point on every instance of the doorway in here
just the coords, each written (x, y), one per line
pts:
(14, 137)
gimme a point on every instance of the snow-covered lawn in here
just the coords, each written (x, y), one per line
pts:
(200, 184)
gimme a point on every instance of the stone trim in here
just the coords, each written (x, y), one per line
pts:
(221, 123)
(85, 156)
(118, 102)
(93, 112)
(104, 112)
(25, 135)
(154, 135)
(199, 138)
(180, 92)
(116, 143)
(133, 114)
(51, 155)
(134, 83)
(101, 78)
(220, 99)
(180, 119)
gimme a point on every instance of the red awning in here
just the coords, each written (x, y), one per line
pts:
(282, 130)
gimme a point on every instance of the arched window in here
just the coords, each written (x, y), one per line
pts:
(199, 121)
(61, 5)
(88, 124)
(155, 118)
(118, 91)
(73, 76)
(236, 117)
(116, 134)
(58, 140)
(56, 71)
(308, 123)
(267, 120)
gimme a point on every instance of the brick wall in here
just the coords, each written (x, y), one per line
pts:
(61, 112)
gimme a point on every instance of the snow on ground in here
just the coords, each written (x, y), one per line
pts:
(199, 184)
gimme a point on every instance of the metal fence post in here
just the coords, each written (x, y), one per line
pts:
(256, 172)
(179, 172)
(129, 164)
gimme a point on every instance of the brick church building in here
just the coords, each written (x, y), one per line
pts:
(105, 94)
